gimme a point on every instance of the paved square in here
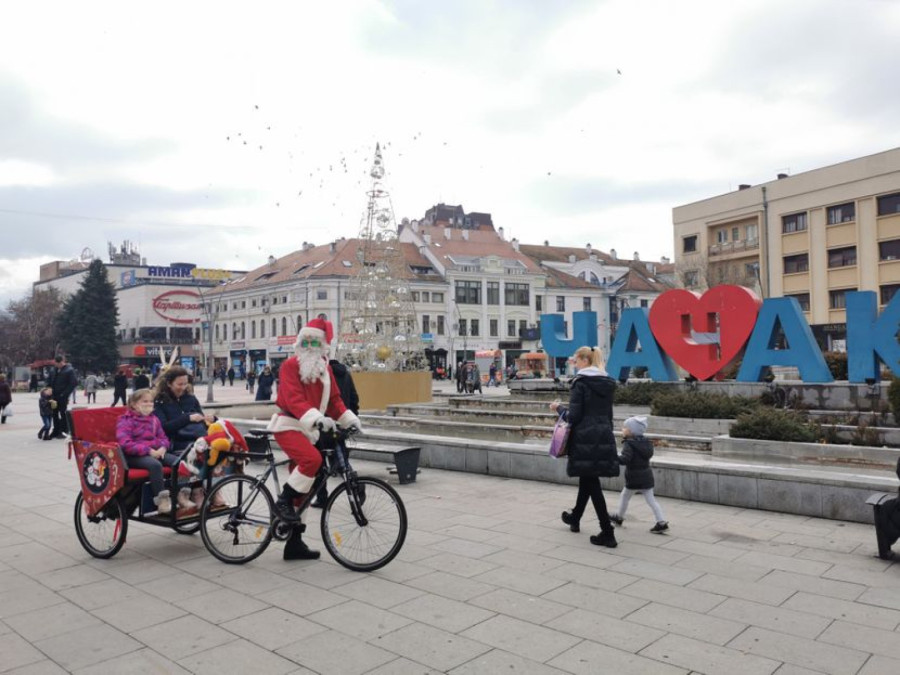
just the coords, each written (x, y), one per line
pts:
(489, 580)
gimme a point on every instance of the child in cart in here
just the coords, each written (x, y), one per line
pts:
(144, 443)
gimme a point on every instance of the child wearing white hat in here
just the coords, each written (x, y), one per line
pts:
(636, 454)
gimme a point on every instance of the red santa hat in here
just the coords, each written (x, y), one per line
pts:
(316, 329)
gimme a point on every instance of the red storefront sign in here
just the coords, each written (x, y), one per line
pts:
(178, 306)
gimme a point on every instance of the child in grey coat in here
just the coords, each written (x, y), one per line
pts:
(636, 454)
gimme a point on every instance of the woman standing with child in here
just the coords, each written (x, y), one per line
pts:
(592, 445)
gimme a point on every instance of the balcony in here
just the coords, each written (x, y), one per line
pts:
(734, 247)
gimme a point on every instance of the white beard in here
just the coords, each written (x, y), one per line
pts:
(313, 364)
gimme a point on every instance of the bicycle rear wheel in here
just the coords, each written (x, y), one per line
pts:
(101, 535)
(242, 529)
(364, 537)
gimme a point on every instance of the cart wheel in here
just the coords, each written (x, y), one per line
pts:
(190, 527)
(364, 527)
(241, 529)
(101, 535)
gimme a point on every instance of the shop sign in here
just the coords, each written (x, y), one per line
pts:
(178, 306)
(286, 340)
(237, 345)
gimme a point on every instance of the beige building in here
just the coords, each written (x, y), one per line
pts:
(813, 236)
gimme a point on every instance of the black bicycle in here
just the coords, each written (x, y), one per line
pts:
(363, 523)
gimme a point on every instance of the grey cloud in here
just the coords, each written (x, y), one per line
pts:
(34, 135)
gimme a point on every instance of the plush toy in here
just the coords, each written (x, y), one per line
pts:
(221, 436)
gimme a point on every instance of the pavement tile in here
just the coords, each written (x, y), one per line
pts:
(273, 628)
(466, 548)
(70, 577)
(880, 665)
(624, 635)
(882, 597)
(87, 646)
(456, 564)
(45, 667)
(522, 606)
(528, 563)
(874, 640)
(332, 653)
(867, 577)
(178, 585)
(128, 615)
(431, 646)
(452, 616)
(134, 663)
(102, 593)
(710, 550)
(450, 586)
(141, 571)
(514, 579)
(403, 666)
(221, 605)
(812, 654)
(26, 598)
(400, 571)
(593, 577)
(724, 568)
(747, 590)
(657, 572)
(671, 594)
(704, 657)
(17, 652)
(785, 563)
(854, 612)
(781, 619)
(359, 620)
(791, 581)
(237, 656)
(182, 637)
(499, 661)
(50, 621)
(586, 554)
(588, 658)
(686, 623)
(595, 599)
(301, 599)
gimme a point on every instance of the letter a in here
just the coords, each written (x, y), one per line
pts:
(802, 351)
(634, 328)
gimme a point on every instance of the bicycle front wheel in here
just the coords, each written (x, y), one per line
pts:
(364, 527)
(236, 519)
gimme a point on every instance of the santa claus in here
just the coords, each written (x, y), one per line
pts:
(310, 400)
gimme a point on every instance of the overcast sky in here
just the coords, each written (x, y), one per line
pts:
(222, 132)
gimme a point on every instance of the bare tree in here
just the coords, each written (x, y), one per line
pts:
(28, 328)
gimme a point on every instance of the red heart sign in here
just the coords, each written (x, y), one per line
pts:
(703, 333)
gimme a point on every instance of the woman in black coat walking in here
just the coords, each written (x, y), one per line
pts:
(592, 445)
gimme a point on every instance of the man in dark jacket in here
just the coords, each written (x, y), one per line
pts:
(63, 382)
(120, 388)
(141, 381)
(887, 524)
(230, 377)
(351, 401)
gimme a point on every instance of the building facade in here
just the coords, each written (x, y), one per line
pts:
(814, 236)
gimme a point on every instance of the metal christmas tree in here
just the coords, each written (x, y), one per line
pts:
(379, 330)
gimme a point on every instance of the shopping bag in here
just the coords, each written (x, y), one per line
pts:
(8, 410)
(560, 439)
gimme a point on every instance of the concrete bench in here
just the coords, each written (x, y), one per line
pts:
(405, 457)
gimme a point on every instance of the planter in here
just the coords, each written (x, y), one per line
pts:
(379, 390)
(820, 454)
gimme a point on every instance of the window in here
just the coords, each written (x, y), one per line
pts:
(243, 304)
(284, 299)
(586, 304)
(462, 327)
(495, 328)
(493, 292)
(523, 326)
(802, 299)
(253, 302)
(560, 303)
(234, 305)
(689, 244)
(274, 327)
(750, 270)
(691, 278)
(722, 236)
(426, 323)
(437, 297)
(842, 257)
(299, 323)
(645, 303)
(262, 328)
(321, 294)
(796, 222)
(217, 331)
(284, 325)
(889, 250)
(243, 331)
(426, 296)
(842, 213)
(474, 328)
(539, 303)
(888, 292)
(224, 331)
(468, 292)
(510, 328)
(735, 233)
(752, 233)
(838, 299)
(415, 296)
(889, 204)
(796, 263)
(252, 329)
(516, 294)
(440, 324)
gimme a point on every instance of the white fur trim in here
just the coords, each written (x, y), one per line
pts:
(349, 419)
(309, 420)
(279, 423)
(299, 482)
(326, 389)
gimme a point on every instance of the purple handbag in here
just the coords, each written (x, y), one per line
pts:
(560, 439)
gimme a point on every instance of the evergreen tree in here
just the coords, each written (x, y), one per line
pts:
(88, 323)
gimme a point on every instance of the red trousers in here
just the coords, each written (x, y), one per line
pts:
(302, 453)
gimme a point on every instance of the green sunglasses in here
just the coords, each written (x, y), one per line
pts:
(310, 343)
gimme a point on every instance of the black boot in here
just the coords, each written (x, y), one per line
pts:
(284, 505)
(606, 538)
(295, 548)
(568, 517)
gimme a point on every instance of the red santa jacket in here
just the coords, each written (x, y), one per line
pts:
(304, 403)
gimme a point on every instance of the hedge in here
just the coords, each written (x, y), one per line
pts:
(772, 424)
(701, 405)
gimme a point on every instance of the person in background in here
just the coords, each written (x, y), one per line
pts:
(251, 379)
(91, 382)
(230, 376)
(141, 380)
(264, 385)
(63, 381)
(5, 397)
(33, 383)
(592, 445)
(460, 378)
(120, 387)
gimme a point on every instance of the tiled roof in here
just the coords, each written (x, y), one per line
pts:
(562, 253)
(481, 242)
(557, 279)
(638, 279)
